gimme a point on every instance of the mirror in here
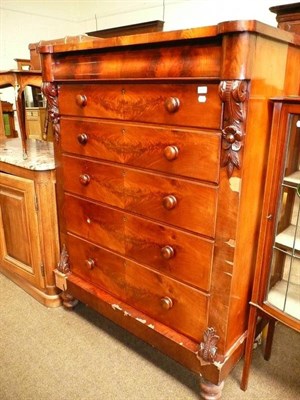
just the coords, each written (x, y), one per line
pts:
(34, 107)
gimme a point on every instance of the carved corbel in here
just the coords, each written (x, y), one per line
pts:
(61, 275)
(50, 90)
(63, 270)
(208, 350)
(234, 95)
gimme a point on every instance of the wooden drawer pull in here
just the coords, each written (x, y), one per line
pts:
(82, 138)
(172, 104)
(90, 263)
(84, 179)
(81, 100)
(167, 252)
(166, 303)
(171, 152)
(169, 202)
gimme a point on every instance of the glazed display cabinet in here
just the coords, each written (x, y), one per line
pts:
(276, 292)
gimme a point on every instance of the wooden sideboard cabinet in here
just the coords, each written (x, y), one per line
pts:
(29, 245)
(160, 143)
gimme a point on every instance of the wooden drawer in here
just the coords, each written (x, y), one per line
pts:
(32, 115)
(184, 256)
(178, 202)
(185, 152)
(186, 104)
(161, 297)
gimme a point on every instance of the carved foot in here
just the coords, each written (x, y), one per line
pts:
(210, 391)
(69, 302)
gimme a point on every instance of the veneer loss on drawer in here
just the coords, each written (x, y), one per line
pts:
(163, 298)
(183, 256)
(183, 104)
(183, 203)
(167, 149)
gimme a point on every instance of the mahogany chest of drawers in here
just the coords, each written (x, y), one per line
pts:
(160, 144)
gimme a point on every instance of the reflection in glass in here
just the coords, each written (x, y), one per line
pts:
(284, 280)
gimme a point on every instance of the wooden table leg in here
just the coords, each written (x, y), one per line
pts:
(249, 347)
(269, 340)
(21, 118)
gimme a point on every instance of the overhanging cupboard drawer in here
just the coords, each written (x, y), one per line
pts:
(175, 304)
(190, 205)
(186, 104)
(187, 152)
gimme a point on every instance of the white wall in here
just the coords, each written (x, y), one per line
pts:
(23, 22)
(177, 14)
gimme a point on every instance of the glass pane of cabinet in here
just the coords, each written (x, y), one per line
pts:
(283, 290)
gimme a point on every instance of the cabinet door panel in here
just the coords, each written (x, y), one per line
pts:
(20, 251)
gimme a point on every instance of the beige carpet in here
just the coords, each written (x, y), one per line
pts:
(48, 354)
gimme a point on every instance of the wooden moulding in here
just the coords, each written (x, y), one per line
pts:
(288, 16)
(144, 27)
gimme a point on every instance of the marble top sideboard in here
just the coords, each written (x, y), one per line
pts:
(40, 156)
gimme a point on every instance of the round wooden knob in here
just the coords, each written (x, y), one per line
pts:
(166, 303)
(171, 152)
(172, 104)
(169, 202)
(84, 179)
(81, 100)
(90, 263)
(167, 252)
(82, 138)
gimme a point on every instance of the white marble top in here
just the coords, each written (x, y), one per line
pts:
(40, 156)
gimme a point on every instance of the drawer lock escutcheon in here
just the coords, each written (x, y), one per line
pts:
(167, 252)
(84, 179)
(172, 104)
(82, 138)
(166, 303)
(169, 202)
(171, 153)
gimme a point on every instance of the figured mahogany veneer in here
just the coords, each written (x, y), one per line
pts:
(160, 143)
(179, 104)
(190, 205)
(167, 149)
(117, 275)
(139, 239)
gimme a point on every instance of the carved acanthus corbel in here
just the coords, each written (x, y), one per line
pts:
(207, 352)
(63, 264)
(234, 95)
(62, 270)
(50, 90)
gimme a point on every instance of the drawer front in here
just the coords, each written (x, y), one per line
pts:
(184, 256)
(166, 300)
(178, 202)
(183, 152)
(32, 115)
(173, 104)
